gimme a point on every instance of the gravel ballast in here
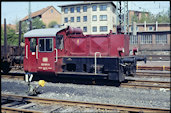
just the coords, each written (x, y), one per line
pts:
(93, 93)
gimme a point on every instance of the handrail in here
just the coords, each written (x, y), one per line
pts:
(56, 55)
(26, 51)
(95, 61)
(37, 52)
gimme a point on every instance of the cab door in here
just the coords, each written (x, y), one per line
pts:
(46, 55)
(31, 55)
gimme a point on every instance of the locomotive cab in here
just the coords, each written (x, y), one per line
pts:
(41, 50)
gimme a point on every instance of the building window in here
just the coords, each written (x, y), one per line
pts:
(84, 8)
(150, 28)
(94, 29)
(94, 8)
(103, 7)
(84, 29)
(134, 39)
(65, 10)
(78, 19)
(94, 17)
(66, 20)
(72, 9)
(103, 17)
(72, 19)
(103, 28)
(51, 10)
(146, 39)
(113, 10)
(137, 28)
(161, 38)
(78, 9)
(84, 18)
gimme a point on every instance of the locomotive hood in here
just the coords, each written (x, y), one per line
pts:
(49, 32)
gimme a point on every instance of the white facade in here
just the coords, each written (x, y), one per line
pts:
(102, 24)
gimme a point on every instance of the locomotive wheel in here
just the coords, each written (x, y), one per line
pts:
(5, 67)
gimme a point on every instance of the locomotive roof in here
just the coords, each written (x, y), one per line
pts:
(42, 32)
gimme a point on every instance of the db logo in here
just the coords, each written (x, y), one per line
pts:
(77, 41)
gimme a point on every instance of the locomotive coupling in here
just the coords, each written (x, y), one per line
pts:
(134, 59)
(141, 59)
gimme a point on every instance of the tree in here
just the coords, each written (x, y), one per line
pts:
(143, 18)
(150, 18)
(12, 37)
(163, 17)
(52, 24)
(134, 18)
(37, 23)
(2, 36)
(24, 27)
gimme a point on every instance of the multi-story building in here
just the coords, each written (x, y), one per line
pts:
(151, 38)
(92, 17)
(47, 15)
(138, 14)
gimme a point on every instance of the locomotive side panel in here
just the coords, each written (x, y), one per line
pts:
(99, 44)
(126, 45)
(78, 46)
(117, 45)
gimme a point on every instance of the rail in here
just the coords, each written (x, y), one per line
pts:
(161, 68)
(147, 84)
(84, 104)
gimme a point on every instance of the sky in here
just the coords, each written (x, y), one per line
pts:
(15, 11)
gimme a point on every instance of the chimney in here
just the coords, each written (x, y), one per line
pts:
(156, 26)
(134, 28)
(144, 25)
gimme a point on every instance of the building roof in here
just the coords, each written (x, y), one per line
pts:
(12, 26)
(139, 24)
(49, 32)
(138, 11)
(37, 13)
(88, 3)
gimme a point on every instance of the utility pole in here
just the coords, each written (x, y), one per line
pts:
(19, 41)
(29, 12)
(5, 40)
(123, 17)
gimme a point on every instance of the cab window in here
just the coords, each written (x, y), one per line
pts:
(46, 45)
(59, 42)
(33, 44)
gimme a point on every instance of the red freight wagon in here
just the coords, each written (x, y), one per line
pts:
(69, 52)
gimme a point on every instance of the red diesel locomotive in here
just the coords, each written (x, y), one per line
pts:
(69, 52)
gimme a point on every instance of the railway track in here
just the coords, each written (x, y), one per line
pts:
(15, 103)
(154, 74)
(147, 84)
(130, 83)
(139, 74)
(161, 68)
